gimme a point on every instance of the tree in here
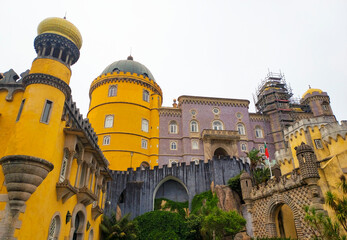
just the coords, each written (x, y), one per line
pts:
(218, 224)
(111, 229)
(261, 175)
(339, 205)
(323, 227)
(255, 158)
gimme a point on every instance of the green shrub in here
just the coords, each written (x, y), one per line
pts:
(178, 207)
(235, 185)
(161, 225)
(199, 199)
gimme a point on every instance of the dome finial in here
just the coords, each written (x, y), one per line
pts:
(130, 58)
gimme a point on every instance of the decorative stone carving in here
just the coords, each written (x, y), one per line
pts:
(86, 196)
(23, 174)
(11, 82)
(65, 190)
(96, 212)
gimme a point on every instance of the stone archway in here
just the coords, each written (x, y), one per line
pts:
(171, 188)
(283, 205)
(220, 152)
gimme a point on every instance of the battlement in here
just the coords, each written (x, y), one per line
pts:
(304, 124)
(12, 83)
(282, 184)
(333, 130)
(283, 155)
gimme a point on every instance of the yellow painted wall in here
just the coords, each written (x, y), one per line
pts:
(51, 67)
(128, 109)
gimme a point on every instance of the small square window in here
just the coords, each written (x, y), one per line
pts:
(318, 144)
(262, 149)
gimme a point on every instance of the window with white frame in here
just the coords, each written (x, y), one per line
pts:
(46, 111)
(108, 121)
(144, 125)
(258, 132)
(64, 166)
(217, 125)
(195, 144)
(112, 91)
(241, 129)
(318, 144)
(144, 143)
(172, 161)
(261, 149)
(54, 228)
(243, 147)
(194, 127)
(173, 127)
(106, 140)
(145, 95)
(173, 145)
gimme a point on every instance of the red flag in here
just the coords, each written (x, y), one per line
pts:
(266, 151)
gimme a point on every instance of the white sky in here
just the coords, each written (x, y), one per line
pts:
(194, 47)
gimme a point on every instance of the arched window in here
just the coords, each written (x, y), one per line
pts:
(261, 149)
(144, 165)
(54, 228)
(109, 121)
(194, 126)
(144, 125)
(325, 106)
(144, 143)
(173, 145)
(258, 132)
(173, 127)
(217, 125)
(145, 95)
(64, 166)
(243, 147)
(241, 129)
(112, 91)
(106, 140)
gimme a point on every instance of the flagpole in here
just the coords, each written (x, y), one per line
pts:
(267, 155)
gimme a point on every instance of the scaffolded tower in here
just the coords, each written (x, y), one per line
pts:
(273, 99)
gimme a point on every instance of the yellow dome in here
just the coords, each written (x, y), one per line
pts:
(311, 90)
(61, 27)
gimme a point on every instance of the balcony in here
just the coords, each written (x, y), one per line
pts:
(65, 190)
(85, 196)
(211, 134)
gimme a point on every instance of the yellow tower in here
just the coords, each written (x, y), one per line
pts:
(124, 102)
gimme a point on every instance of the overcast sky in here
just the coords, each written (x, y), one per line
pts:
(204, 48)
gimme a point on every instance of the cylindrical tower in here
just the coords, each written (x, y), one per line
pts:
(37, 134)
(124, 102)
(318, 101)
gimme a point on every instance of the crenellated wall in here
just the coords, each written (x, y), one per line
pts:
(134, 191)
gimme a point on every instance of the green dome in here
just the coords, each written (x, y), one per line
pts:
(128, 65)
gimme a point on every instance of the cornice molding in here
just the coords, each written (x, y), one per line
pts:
(213, 101)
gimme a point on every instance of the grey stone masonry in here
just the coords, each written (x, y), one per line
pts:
(134, 191)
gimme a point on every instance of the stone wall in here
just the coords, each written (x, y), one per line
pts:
(135, 191)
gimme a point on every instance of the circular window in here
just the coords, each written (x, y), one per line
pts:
(193, 112)
(215, 110)
(239, 115)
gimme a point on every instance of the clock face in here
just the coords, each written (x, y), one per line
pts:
(238, 115)
(193, 112)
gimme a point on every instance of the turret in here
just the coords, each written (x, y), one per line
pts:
(318, 101)
(124, 103)
(246, 188)
(36, 135)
